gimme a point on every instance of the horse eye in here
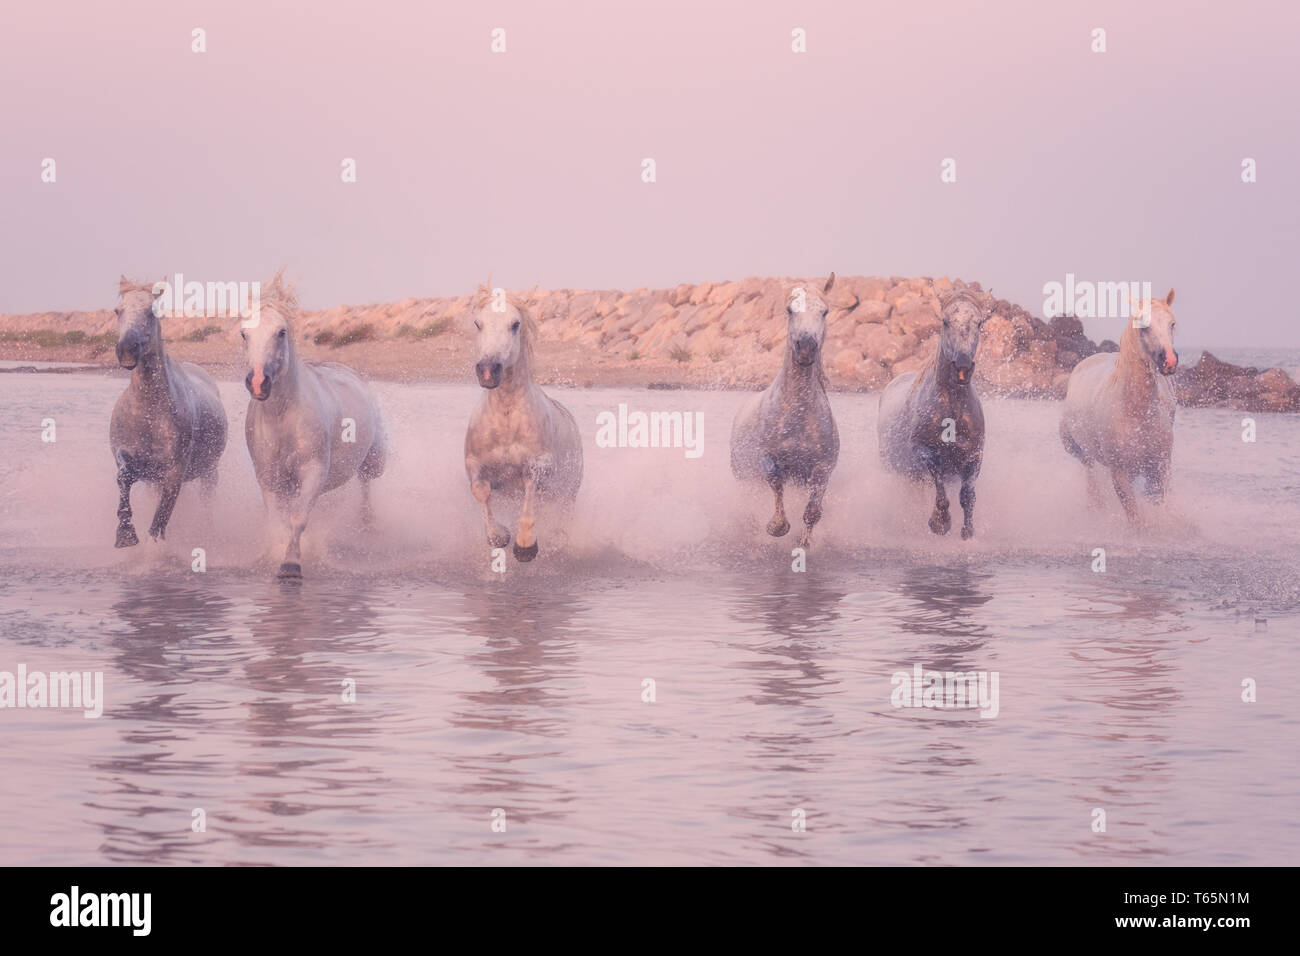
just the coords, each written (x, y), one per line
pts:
(478, 325)
(243, 335)
(515, 327)
(283, 333)
(119, 312)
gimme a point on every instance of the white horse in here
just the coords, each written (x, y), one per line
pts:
(310, 427)
(1119, 407)
(520, 441)
(169, 426)
(787, 433)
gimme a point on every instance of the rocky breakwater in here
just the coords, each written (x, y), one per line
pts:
(711, 334)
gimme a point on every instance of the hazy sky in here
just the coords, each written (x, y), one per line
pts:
(526, 165)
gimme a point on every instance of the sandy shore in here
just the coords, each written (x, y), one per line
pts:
(447, 359)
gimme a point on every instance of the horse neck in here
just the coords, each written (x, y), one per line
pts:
(800, 379)
(152, 373)
(1134, 374)
(939, 373)
(516, 383)
(284, 390)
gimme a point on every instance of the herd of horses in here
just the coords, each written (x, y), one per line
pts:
(313, 426)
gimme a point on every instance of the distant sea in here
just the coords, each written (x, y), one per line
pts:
(1287, 359)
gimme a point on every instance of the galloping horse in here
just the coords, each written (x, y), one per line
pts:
(520, 441)
(310, 427)
(787, 433)
(1119, 413)
(931, 423)
(169, 426)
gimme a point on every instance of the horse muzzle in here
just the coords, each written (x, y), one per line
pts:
(963, 373)
(263, 389)
(1168, 363)
(805, 351)
(128, 354)
(488, 373)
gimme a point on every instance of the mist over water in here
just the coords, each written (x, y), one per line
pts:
(523, 691)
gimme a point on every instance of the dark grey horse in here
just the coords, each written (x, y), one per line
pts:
(169, 426)
(931, 423)
(787, 433)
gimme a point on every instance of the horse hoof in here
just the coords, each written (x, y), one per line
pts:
(525, 554)
(940, 523)
(967, 533)
(778, 530)
(126, 537)
(290, 571)
(499, 541)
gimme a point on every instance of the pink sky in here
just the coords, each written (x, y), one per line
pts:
(225, 165)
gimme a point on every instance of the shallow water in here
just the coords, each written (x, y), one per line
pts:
(475, 691)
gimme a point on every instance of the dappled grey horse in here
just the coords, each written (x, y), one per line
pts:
(520, 441)
(169, 426)
(1119, 407)
(931, 423)
(311, 427)
(786, 434)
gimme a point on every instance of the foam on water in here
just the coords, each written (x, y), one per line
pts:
(1231, 519)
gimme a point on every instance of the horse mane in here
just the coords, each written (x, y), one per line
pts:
(125, 285)
(527, 324)
(280, 296)
(978, 298)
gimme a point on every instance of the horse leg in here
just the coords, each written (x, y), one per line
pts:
(171, 488)
(813, 512)
(778, 526)
(941, 520)
(1094, 487)
(1157, 477)
(208, 486)
(126, 536)
(967, 499)
(525, 543)
(309, 488)
(1123, 482)
(498, 537)
(367, 507)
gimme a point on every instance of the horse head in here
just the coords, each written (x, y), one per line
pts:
(963, 312)
(1154, 326)
(805, 311)
(504, 340)
(139, 329)
(268, 338)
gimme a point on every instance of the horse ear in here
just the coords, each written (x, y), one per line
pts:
(829, 282)
(1169, 299)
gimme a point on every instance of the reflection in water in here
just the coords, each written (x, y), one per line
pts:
(787, 621)
(1124, 663)
(282, 682)
(527, 649)
(938, 612)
